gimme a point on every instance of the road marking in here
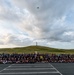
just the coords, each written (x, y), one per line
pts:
(30, 66)
(30, 69)
(5, 68)
(56, 69)
(30, 73)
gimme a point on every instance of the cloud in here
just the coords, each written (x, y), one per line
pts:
(9, 12)
(16, 40)
(50, 22)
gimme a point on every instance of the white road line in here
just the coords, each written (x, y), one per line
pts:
(31, 69)
(30, 73)
(56, 69)
(31, 66)
(5, 68)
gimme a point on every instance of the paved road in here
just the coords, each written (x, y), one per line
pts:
(65, 68)
(37, 69)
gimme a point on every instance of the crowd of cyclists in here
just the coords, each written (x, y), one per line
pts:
(36, 58)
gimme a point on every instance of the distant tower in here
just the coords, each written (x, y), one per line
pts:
(36, 43)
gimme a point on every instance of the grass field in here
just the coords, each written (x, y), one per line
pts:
(32, 49)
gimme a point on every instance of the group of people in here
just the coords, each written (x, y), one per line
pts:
(36, 57)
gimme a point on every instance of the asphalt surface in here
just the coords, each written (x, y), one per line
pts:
(65, 68)
(37, 69)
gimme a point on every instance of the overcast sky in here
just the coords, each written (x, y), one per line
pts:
(48, 22)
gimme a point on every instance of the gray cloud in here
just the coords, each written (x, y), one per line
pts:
(9, 12)
(16, 40)
(49, 22)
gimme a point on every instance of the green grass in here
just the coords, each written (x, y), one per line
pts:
(39, 49)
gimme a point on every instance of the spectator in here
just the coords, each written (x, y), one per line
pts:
(33, 58)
